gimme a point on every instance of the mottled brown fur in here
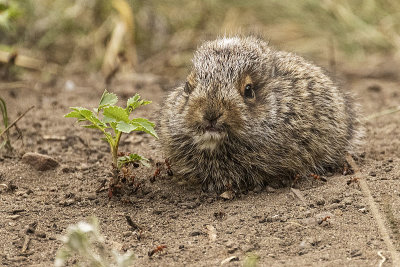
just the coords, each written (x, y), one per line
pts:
(293, 119)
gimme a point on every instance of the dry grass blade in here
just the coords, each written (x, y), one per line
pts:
(383, 113)
(124, 30)
(383, 259)
(375, 212)
(14, 122)
(3, 108)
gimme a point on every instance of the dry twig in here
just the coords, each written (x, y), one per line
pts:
(14, 122)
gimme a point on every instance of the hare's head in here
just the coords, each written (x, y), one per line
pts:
(224, 91)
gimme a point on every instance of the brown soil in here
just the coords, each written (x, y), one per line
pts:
(274, 224)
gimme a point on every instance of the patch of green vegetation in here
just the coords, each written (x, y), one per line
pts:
(112, 121)
(80, 30)
(9, 12)
(251, 260)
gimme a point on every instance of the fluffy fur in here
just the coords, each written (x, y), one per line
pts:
(294, 121)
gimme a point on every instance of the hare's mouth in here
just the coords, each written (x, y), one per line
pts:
(212, 129)
(209, 139)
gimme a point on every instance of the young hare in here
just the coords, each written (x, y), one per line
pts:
(248, 115)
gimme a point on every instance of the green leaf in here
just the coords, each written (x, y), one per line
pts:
(135, 102)
(107, 119)
(144, 125)
(132, 100)
(74, 114)
(107, 99)
(83, 114)
(116, 113)
(132, 158)
(126, 127)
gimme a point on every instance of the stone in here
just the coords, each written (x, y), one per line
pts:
(39, 161)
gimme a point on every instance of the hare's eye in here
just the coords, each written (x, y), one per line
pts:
(188, 88)
(248, 91)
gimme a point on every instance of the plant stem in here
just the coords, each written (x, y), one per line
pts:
(114, 148)
(114, 151)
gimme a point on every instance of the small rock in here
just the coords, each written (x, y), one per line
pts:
(181, 246)
(274, 218)
(230, 243)
(335, 200)
(320, 202)
(373, 174)
(355, 253)
(228, 195)
(338, 212)
(39, 161)
(257, 189)
(219, 215)
(347, 201)
(127, 234)
(67, 169)
(363, 210)
(68, 202)
(19, 193)
(188, 205)
(270, 189)
(263, 220)
(14, 217)
(40, 234)
(52, 189)
(92, 196)
(388, 168)
(195, 233)
(232, 250)
(304, 244)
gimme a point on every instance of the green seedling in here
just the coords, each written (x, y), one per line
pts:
(112, 121)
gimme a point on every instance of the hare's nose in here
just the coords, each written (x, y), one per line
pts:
(211, 118)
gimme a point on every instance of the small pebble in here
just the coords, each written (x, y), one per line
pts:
(195, 233)
(320, 202)
(14, 217)
(127, 234)
(40, 234)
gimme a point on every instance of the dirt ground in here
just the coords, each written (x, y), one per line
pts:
(277, 226)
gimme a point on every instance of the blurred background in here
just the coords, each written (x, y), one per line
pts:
(149, 36)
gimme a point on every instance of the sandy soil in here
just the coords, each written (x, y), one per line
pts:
(274, 224)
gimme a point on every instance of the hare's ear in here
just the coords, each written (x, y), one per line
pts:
(189, 84)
